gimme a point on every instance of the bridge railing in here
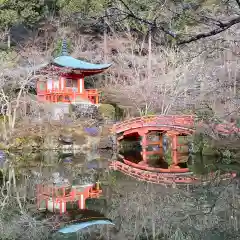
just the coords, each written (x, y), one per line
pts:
(153, 177)
(181, 120)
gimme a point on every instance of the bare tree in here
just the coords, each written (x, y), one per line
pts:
(210, 18)
(132, 84)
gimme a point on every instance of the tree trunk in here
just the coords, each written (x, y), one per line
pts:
(149, 54)
(105, 39)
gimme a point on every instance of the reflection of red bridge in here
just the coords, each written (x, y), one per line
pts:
(163, 177)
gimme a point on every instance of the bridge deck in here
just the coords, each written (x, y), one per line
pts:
(158, 121)
(180, 123)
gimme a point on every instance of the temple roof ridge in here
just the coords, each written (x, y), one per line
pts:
(71, 62)
(65, 60)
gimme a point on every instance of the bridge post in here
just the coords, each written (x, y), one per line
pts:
(144, 147)
(174, 149)
(161, 143)
(174, 142)
(144, 134)
(114, 165)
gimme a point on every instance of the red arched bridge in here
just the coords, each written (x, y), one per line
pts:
(181, 124)
(172, 126)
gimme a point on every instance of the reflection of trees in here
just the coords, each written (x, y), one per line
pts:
(141, 209)
(197, 165)
(191, 212)
(202, 165)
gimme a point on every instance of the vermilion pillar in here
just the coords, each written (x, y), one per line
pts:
(80, 85)
(144, 146)
(174, 149)
(81, 202)
(161, 144)
(97, 99)
(61, 83)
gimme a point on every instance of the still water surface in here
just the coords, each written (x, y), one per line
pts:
(142, 210)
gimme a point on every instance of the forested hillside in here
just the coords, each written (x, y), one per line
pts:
(169, 56)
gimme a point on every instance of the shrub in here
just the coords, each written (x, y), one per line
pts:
(107, 111)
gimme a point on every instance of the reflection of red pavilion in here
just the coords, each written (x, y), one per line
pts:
(67, 81)
(55, 198)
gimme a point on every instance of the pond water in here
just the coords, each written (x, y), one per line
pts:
(140, 210)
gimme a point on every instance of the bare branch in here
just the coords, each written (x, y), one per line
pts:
(238, 3)
(222, 27)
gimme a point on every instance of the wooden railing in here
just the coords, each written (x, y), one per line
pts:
(171, 169)
(70, 90)
(68, 95)
(182, 121)
(166, 178)
(92, 91)
(176, 121)
(153, 177)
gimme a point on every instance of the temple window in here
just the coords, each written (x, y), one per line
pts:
(41, 86)
(71, 83)
(56, 84)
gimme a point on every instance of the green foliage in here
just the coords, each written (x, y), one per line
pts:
(205, 114)
(8, 17)
(168, 157)
(129, 145)
(210, 5)
(85, 7)
(26, 142)
(107, 111)
(8, 58)
(3, 46)
(128, 15)
(184, 20)
(112, 180)
(199, 166)
(22, 11)
(199, 141)
(227, 155)
(119, 112)
(238, 123)
(145, 11)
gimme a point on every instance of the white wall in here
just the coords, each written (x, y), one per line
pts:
(57, 205)
(49, 84)
(56, 84)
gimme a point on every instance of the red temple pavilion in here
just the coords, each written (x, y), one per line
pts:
(66, 83)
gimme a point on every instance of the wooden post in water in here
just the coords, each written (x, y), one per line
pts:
(144, 147)
(161, 144)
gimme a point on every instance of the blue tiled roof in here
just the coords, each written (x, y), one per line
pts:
(79, 226)
(68, 61)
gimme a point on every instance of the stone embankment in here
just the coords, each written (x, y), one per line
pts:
(75, 136)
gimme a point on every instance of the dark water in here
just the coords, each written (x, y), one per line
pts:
(141, 210)
(197, 163)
